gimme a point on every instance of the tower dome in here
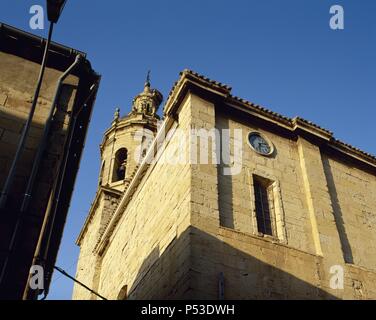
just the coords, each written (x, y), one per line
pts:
(148, 101)
(126, 141)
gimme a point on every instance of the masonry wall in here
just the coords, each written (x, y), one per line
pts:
(149, 250)
(17, 84)
(236, 198)
(353, 194)
(87, 266)
(296, 264)
(190, 229)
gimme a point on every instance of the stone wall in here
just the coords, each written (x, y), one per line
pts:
(236, 199)
(88, 268)
(18, 79)
(188, 224)
(353, 193)
(87, 262)
(296, 264)
(15, 101)
(156, 216)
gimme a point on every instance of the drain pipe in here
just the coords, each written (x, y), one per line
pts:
(12, 171)
(42, 145)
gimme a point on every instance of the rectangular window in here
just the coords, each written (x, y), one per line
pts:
(264, 206)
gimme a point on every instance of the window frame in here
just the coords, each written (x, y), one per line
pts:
(264, 206)
(280, 233)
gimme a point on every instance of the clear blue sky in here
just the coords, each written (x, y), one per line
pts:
(280, 54)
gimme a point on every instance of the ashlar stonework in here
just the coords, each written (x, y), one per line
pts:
(182, 231)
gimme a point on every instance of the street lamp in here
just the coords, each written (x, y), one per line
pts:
(54, 9)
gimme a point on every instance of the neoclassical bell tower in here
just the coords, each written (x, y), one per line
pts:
(125, 142)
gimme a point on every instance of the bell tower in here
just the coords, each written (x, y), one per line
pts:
(125, 142)
(123, 146)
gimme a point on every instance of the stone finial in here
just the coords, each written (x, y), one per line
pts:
(147, 82)
(117, 115)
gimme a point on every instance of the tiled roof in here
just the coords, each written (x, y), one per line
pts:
(356, 150)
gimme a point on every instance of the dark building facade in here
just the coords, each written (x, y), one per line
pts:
(33, 215)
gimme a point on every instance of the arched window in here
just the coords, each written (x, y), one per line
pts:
(123, 293)
(120, 165)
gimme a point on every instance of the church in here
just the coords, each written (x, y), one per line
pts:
(258, 205)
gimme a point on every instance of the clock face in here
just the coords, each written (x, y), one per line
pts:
(260, 144)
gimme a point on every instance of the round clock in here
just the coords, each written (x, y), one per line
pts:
(260, 144)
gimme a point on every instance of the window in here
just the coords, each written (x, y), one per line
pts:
(264, 206)
(120, 165)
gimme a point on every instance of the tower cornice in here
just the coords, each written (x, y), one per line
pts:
(135, 119)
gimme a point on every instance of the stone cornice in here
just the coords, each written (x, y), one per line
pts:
(135, 119)
(299, 124)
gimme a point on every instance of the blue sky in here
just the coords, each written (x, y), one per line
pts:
(279, 54)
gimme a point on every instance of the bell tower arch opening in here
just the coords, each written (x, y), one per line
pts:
(120, 165)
